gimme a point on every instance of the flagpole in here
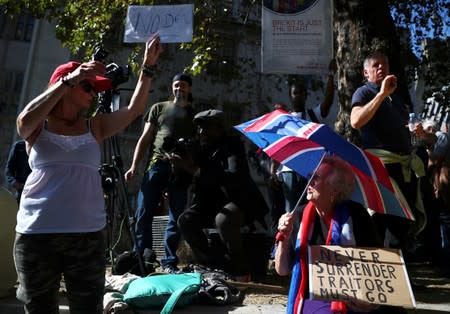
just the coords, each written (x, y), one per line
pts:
(280, 236)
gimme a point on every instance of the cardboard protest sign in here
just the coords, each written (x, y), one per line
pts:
(369, 274)
(173, 23)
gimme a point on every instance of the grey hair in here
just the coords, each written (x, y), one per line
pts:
(430, 123)
(341, 178)
(374, 55)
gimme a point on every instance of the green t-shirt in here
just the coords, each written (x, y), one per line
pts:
(170, 120)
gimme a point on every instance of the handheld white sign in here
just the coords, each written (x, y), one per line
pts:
(173, 23)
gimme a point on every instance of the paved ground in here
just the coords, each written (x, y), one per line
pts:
(10, 306)
(432, 298)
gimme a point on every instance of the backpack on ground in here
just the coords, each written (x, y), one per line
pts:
(166, 291)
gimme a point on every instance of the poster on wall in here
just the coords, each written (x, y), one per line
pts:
(297, 36)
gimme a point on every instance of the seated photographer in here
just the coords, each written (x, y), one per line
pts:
(224, 197)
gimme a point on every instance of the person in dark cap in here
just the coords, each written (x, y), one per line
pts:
(183, 77)
(62, 217)
(210, 115)
(224, 196)
(166, 170)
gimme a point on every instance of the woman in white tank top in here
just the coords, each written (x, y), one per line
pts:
(61, 215)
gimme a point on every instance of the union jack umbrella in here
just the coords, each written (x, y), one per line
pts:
(301, 144)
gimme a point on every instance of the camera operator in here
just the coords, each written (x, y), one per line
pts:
(169, 120)
(62, 212)
(224, 197)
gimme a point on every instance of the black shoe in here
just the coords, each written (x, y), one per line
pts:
(149, 256)
(150, 261)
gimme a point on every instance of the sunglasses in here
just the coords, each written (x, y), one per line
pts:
(87, 87)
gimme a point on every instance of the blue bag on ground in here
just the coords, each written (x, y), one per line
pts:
(167, 291)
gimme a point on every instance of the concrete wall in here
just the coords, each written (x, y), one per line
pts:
(35, 62)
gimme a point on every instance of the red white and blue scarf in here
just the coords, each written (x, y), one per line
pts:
(340, 233)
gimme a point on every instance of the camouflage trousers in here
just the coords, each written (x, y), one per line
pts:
(42, 259)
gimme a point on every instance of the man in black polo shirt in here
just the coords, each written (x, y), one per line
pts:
(382, 116)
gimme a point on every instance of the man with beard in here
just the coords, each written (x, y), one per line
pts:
(165, 123)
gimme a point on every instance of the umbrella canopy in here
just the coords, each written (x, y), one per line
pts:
(301, 144)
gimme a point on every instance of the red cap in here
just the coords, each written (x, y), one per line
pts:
(100, 83)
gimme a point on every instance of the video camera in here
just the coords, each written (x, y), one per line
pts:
(116, 73)
(107, 173)
(179, 146)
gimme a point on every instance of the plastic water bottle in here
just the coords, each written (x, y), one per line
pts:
(412, 123)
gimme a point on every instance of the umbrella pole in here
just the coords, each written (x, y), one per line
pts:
(307, 184)
(280, 236)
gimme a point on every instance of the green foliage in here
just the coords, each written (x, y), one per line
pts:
(429, 24)
(81, 25)
(425, 19)
(84, 24)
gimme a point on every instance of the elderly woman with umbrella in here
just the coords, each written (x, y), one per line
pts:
(329, 209)
(362, 177)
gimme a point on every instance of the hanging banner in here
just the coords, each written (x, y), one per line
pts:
(173, 23)
(372, 275)
(297, 36)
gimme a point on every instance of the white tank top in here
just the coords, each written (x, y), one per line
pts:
(63, 193)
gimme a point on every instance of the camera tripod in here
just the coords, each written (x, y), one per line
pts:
(117, 204)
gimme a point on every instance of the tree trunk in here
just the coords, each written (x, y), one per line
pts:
(349, 38)
(360, 28)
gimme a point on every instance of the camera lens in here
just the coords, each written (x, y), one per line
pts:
(100, 54)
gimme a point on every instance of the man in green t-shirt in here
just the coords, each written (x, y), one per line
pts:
(165, 124)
